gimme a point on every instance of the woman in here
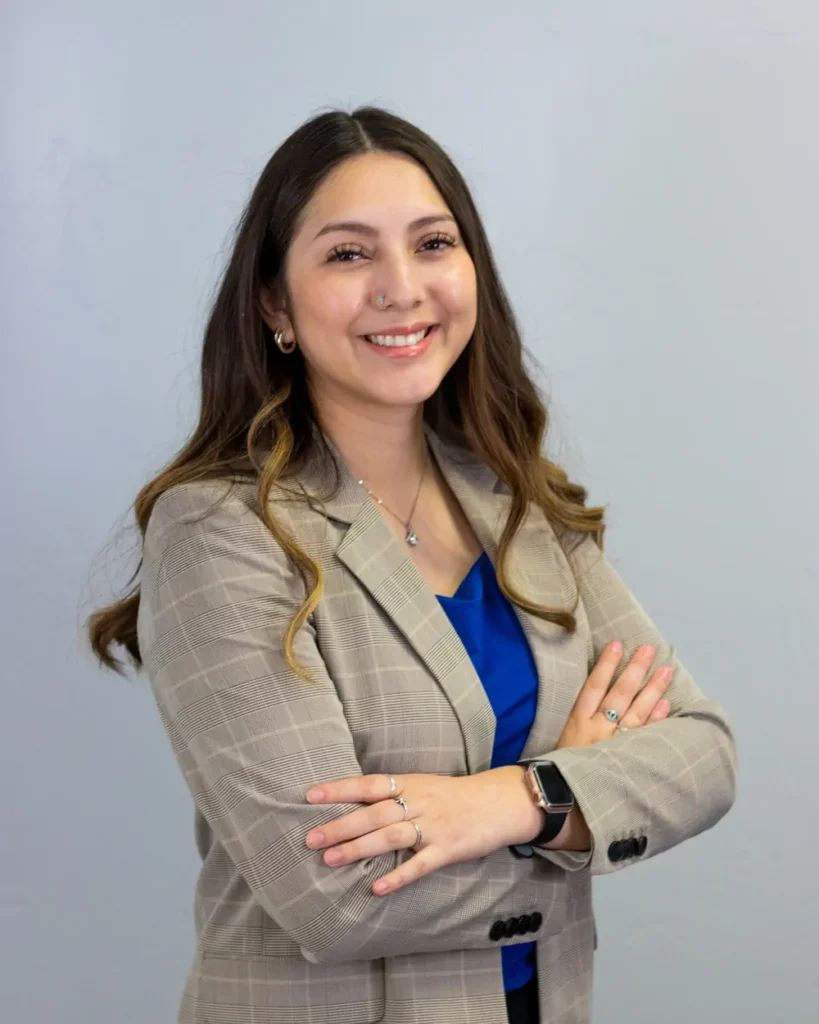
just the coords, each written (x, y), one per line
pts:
(416, 707)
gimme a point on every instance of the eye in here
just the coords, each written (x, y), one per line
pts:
(441, 241)
(345, 253)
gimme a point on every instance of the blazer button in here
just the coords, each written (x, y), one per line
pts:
(522, 924)
(617, 852)
(535, 921)
(642, 843)
(510, 929)
(496, 932)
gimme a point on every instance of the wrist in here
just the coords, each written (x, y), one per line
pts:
(526, 819)
(574, 835)
(563, 826)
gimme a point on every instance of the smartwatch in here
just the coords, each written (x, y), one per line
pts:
(551, 793)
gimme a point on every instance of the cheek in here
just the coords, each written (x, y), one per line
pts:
(457, 290)
(327, 303)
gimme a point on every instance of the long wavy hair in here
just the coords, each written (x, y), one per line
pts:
(256, 420)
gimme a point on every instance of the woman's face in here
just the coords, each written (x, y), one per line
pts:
(378, 225)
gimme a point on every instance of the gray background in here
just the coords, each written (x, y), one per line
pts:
(647, 173)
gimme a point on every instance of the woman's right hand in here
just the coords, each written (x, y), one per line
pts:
(634, 703)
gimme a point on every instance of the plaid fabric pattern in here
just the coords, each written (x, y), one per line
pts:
(280, 936)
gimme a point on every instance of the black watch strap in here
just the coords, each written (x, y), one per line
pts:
(554, 821)
(551, 829)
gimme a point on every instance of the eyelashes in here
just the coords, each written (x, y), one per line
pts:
(347, 252)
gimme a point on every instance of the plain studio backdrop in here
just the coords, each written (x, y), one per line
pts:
(648, 177)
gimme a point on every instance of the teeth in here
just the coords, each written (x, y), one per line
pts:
(396, 340)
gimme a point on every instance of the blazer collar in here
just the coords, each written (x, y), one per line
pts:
(381, 563)
(458, 467)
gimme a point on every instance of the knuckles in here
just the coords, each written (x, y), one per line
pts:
(394, 835)
(374, 788)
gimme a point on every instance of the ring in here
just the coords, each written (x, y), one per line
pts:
(393, 786)
(611, 714)
(400, 800)
(420, 834)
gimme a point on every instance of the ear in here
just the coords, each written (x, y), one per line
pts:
(274, 314)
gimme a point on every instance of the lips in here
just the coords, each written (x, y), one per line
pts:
(398, 339)
(401, 351)
(400, 330)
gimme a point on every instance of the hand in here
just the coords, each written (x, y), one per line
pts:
(635, 706)
(451, 811)
(587, 724)
(461, 818)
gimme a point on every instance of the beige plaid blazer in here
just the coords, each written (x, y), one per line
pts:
(282, 938)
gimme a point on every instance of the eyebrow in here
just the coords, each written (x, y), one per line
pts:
(359, 228)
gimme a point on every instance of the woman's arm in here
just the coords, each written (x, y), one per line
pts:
(251, 738)
(643, 791)
(470, 816)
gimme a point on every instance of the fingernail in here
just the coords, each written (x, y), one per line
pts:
(315, 838)
(333, 857)
(381, 887)
(616, 647)
(315, 795)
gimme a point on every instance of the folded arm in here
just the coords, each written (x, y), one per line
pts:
(251, 738)
(646, 790)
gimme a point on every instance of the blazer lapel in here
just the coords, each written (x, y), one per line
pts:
(381, 563)
(536, 567)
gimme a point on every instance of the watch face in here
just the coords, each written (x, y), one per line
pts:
(553, 786)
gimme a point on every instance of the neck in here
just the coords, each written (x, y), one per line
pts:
(383, 446)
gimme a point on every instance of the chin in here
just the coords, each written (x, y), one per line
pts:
(410, 396)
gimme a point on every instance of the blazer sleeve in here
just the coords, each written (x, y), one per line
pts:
(251, 737)
(648, 789)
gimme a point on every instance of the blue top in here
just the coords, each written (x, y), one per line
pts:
(491, 632)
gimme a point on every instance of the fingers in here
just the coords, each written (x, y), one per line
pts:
(355, 824)
(397, 836)
(360, 789)
(423, 863)
(624, 691)
(647, 699)
(597, 685)
(661, 710)
(646, 702)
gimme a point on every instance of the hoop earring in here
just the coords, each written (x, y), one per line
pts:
(284, 346)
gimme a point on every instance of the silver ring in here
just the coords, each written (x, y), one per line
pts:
(420, 835)
(400, 800)
(611, 714)
(393, 786)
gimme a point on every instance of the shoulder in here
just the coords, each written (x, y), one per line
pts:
(213, 525)
(211, 503)
(200, 504)
(218, 523)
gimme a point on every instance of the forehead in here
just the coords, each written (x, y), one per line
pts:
(376, 187)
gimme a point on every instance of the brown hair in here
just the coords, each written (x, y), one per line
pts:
(256, 419)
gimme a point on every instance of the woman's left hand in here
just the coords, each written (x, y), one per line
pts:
(461, 818)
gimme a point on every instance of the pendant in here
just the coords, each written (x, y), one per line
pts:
(411, 537)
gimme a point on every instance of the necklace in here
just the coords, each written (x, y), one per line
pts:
(411, 536)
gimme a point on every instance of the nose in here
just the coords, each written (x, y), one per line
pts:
(399, 281)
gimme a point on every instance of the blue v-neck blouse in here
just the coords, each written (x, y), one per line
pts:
(491, 632)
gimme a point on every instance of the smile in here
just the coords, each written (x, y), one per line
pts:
(398, 340)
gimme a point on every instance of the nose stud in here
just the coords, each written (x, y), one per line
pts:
(381, 299)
